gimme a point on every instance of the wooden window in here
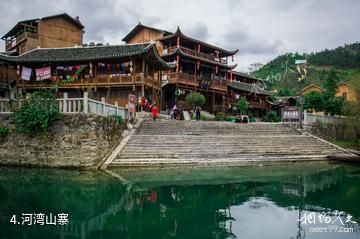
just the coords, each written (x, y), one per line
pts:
(344, 94)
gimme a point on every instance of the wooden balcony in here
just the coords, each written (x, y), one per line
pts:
(15, 42)
(193, 82)
(258, 105)
(196, 53)
(102, 80)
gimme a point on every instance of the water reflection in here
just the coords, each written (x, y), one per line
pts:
(248, 202)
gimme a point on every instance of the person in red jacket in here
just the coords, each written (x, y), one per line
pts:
(155, 111)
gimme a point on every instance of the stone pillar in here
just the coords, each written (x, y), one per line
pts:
(65, 97)
(305, 117)
(86, 103)
(116, 108)
(103, 111)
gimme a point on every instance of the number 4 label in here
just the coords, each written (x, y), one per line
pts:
(13, 219)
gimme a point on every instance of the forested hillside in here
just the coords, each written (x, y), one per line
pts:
(284, 75)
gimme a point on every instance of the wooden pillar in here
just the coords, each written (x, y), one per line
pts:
(133, 74)
(213, 101)
(143, 77)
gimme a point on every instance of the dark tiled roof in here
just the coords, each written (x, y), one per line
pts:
(140, 26)
(249, 88)
(182, 53)
(244, 75)
(85, 54)
(223, 51)
(28, 22)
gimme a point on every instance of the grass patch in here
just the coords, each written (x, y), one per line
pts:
(353, 144)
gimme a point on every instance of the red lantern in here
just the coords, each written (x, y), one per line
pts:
(216, 70)
(177, 63)
(231, 75)
(199, 48)
(198, 65)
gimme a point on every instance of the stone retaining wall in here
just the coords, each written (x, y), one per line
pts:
(74, 141)
(349, 131)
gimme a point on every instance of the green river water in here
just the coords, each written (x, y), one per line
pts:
(298, 200)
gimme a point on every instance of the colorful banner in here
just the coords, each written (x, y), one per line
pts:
(43, 73)
(25, 73)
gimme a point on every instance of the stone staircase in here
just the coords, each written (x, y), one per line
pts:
(173, 142)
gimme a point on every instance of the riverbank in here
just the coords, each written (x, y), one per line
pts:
(75, 141)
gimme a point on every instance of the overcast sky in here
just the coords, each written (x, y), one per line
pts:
(260, 29)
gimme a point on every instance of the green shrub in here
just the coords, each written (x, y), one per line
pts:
(272, 117)
(36, 113)
(195, 99)
(219, 117)
(118, 118)
(242, 105)
(4, 131)
(230, 118)
(252, 119)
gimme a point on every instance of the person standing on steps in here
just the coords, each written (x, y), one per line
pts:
(132, 101)
(197, 113)
(154, 111)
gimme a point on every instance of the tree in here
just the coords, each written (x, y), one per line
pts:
(195, 99)
(285, 92)
(335, 105)
(242, 105)
(314, 100)
(330, 81)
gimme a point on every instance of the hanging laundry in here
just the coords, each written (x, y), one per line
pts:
(43, 73)
(26, 73)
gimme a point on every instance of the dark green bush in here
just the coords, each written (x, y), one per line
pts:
(4, 131)
(252, 119)
(219, 117)
(272, 117)
(118, 118)
(36, 113)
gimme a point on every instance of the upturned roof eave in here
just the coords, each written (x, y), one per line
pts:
(178, 50)
(222, 50)
(246, 87)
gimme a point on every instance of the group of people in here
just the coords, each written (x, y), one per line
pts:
(178, 114)
(144, 106)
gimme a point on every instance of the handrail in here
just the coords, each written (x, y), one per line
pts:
(78, 105)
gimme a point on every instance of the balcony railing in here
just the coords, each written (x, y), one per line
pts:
(258, 105)
(86, 81)
(195, 53)
(191, 80)
(13, 43)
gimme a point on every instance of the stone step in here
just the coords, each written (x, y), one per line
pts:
(220, 150)
(179, 142)
(218, 154)
(195, 161)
